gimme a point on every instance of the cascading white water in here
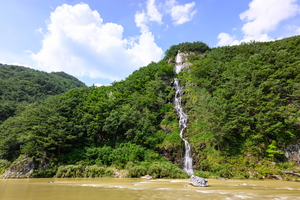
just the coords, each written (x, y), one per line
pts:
(183, 118)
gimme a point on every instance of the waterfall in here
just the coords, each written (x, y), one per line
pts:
(183, 118)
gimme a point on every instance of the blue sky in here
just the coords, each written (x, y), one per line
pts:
(101, 41)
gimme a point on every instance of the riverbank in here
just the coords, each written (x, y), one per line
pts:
(27, 167)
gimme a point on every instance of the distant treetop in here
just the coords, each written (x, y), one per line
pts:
(196, 47)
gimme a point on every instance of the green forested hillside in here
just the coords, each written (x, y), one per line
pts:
(243, 104)
(20, 86)
(243, 108)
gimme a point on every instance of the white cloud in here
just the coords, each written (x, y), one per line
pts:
(16, 64)
(98, 85)
(292, 30)
(9, 58)
(180, 13)
(39, 30)
(141, 21)
(79, 43)
(264, 16)
(166, 28)
(153, 13)
(225, 39)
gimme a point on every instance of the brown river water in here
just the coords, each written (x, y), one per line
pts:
(136, 189)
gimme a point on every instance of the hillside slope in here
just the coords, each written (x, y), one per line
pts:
(22, 85)
(243, 104)
(243, 108)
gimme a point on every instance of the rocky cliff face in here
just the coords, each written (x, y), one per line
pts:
(182, 60)
(292, 152)
(24, 167)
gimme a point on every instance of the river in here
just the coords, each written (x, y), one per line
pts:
(136, 189)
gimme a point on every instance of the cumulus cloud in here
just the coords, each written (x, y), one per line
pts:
(153, 13)
(141, 20)
(180, 13)
(225, 39)
(79, 43)
(264, 16)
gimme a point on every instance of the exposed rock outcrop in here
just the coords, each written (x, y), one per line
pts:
(182, 60)
(292, 152)
(148, 177)
(292, 172)
(24, 167)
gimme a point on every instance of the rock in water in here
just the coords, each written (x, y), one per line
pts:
(198, 181)
(148, 177)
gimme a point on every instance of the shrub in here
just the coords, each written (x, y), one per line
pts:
(129, 165)
(75, 171)
(96, 171)
(203, 174)
(49, 173)
(4, 163)
(166, 170)
(137, 171)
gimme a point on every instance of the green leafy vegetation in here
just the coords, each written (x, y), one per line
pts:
(92, 171)
(195, 48)
(157, 170)
(20, 86)
(4, 164)
(242, 102)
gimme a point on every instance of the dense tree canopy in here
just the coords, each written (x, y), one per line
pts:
(242, 101)
(128, 111)
(21, 85)
(195, 47)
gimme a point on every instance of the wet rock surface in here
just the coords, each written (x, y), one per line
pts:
(198, 181)
(148, 177)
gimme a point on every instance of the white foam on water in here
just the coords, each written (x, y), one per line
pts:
(243, 196)
(164, 189)
(286, 189)
(204, 191)
(90, 185)
(223, 192)
(178, 181)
